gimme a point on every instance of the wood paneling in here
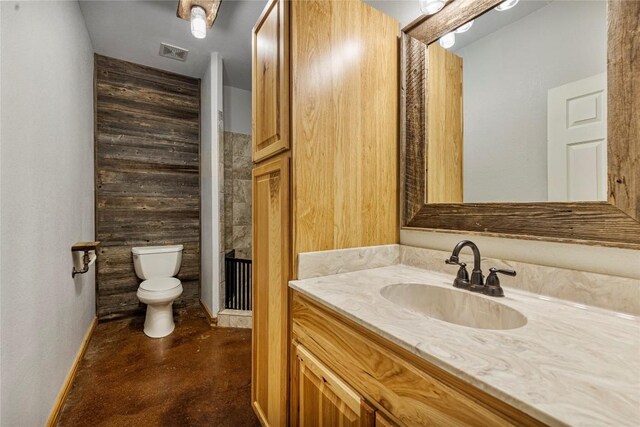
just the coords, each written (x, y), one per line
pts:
(623, 127)
(323, 399)
(413, 112)
(586, 223)
(444, 133)
(615, 224)
(147, 177)
(271, 269)
(407, 389)
(344, 125)
(270, 126)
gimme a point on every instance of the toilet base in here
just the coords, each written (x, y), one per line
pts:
(158, 322)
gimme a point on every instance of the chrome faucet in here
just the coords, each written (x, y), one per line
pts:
(476, 283)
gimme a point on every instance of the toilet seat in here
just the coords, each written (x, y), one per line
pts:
(160, 284)
(159, 297)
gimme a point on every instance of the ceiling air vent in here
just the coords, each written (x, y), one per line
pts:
(173, 52)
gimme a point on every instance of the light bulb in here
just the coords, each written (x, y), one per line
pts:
(464, 28)
(506, 5)
(429, 7)
(448, 40)
(198, 22)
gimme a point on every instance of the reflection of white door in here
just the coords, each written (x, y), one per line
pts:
(577, 140)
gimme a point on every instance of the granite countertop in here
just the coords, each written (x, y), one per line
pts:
(570, 364)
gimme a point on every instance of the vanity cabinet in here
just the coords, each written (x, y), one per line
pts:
(402, 388)
(325, 153)
(319, 398)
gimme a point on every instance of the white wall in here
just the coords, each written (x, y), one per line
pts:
(47, 201)
(405, 11)
(506, 78)
(211, 184)
(237, 110)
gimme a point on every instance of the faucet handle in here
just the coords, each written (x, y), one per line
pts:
(503, 271)
(462, 277)
(492, 286)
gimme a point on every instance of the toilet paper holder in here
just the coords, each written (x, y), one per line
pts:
(87, 248)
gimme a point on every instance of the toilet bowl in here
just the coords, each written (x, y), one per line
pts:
(157, 265)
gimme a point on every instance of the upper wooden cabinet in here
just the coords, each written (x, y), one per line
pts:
(344, 109)
(270, 94)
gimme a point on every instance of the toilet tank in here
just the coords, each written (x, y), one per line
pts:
(152, 262)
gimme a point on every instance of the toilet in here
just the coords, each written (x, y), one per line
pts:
(157, 265)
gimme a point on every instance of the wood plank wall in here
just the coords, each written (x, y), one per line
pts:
(147, 177)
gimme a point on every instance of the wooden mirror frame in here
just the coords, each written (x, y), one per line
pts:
(614, 223)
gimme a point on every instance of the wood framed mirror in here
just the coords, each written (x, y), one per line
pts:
(614, 221)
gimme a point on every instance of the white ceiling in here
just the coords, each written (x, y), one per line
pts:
(133, 31)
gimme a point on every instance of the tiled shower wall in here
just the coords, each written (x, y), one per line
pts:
(237, 193)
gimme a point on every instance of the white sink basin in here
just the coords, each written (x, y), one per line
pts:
(454, 306)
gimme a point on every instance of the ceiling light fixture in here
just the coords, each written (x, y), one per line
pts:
(201, 14)
(506, 5)
(198, 22)
(448, 40)
(429, 7)
(464, 28)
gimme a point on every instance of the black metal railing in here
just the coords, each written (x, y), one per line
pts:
(237, 278)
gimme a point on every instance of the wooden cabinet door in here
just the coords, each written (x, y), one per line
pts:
(344, 112)
(270, 75)
(270, 280)
(319, 398)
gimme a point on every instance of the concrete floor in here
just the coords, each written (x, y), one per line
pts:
(197, 376)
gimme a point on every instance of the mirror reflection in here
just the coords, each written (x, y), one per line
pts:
(517, 105)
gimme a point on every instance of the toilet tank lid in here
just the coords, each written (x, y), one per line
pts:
(146, 250)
